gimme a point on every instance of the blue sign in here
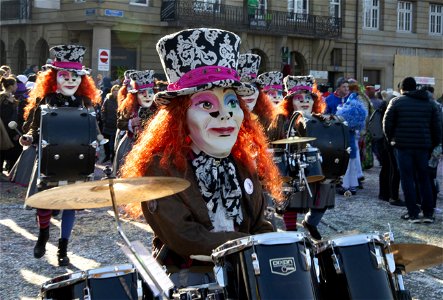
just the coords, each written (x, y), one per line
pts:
(113, 13)
(90, 12)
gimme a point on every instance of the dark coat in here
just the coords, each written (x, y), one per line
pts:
(109, 115)
(182, 222)
(412, 121)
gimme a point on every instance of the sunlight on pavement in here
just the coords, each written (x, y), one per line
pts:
(143, 226)
(33, 277)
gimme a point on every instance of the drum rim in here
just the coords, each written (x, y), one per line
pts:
(71, 278)
(349, 240)
(110, 271)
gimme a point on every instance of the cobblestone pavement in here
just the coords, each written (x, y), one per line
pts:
(96, 243)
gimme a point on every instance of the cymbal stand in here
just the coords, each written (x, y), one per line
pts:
(158, 288)
(301, 174)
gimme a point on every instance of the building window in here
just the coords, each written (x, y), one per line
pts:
(207, 5)
(371, 14)
(139, 2)
(404, 16)
(298, 9)
(334, 8)
(336, 57)
(435, 19)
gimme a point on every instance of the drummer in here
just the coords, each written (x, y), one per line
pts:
(65, 83)
(203, 133)
(302, 97)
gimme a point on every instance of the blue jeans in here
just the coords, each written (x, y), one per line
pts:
(413, 167)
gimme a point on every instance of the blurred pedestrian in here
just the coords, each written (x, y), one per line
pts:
(109, 119)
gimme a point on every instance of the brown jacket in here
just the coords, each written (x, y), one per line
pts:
(181, 221)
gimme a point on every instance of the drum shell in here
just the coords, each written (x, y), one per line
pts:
(325, 198)
(69, 133)
(313, 171)
(270, 283)
(333, 142)
(360, 278)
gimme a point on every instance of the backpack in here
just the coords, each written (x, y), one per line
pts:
(375, 125)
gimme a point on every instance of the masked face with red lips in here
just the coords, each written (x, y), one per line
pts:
(214, 119)
(303, 102)
(68, 82)
(145, 97)
(251, 100)
(275, 96)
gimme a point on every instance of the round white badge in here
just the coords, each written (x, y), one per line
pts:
(249, 186)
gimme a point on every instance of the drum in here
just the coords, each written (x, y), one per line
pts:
(354, 267)
(323, 196)
(274, 265)
(111, 282)
(312, 159)
(66, 148)
(333, 143)
(280, 159)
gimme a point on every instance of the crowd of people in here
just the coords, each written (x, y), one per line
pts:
(232, 133)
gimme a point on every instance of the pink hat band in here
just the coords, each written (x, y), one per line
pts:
(272, 87)
(144, 86)
(203, 75)
(301, 88)
(68, 65)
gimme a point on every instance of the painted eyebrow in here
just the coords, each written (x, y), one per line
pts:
(208, 96)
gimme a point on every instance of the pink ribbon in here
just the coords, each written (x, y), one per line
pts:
(203, 75)
(301, 87)
(67, 65)
(273, 87)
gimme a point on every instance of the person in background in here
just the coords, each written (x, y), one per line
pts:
(109, 120)
(207, 138)
(339, 97)
(413, 126)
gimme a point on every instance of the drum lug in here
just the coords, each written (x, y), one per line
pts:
(56, 156)
(255, 263)
(391, 262)
(307, 257)
(86, 294)
(81, 156)
(348, 150)
(379, 257)
(336, 264)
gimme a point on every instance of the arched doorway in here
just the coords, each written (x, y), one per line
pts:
(264, 63)
(2, 53)
(42, 50)
(19, 57)
(299, 64)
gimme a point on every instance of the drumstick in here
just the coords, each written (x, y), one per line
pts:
(13, 125)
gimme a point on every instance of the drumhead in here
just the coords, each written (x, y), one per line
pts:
(349, 240)
(110, 271)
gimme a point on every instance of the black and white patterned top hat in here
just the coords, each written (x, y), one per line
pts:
(199, 59)
(69, 58)
(270, 81)
(127, 79)
(141, 80)
(248, 65)
(297, 84)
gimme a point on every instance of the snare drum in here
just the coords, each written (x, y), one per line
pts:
(313, 171)
(66, 148)
(111, 282)
(354, 267)
(273, 265)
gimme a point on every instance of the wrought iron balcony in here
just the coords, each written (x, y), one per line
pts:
(187, 14)
(18, 10)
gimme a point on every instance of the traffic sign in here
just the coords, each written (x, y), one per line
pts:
(104, 58)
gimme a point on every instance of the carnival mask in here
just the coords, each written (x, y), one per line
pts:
(145, 97)
(251, 100)
(303, 103)
(214, 119)
(275, 96)
(68, 82)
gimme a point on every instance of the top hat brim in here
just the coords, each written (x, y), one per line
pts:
(242, 89)
(291, 95)
(85, 71)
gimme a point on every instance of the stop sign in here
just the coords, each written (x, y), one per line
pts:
(104, 57)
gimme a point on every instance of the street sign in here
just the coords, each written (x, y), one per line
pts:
(114, 13)
(104, 58)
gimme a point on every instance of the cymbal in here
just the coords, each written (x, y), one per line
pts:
(294, 139)
(417, 256)
(95, 194)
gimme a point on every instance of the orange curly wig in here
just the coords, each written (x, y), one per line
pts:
(264, 108)
(167, 134)
(129, 104)
(122, 93)
(46, 83)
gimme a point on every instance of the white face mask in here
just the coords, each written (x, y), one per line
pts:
(68, 82)
(303, 102)
(275, 96)
(251, 100)
(145, 97)
(214, 119)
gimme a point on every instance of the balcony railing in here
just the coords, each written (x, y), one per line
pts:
(15, 10)
(182, 13)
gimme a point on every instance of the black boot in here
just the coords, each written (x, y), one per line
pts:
(62, 253)
(40, 246)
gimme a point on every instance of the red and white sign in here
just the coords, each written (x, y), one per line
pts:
(104, 59)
